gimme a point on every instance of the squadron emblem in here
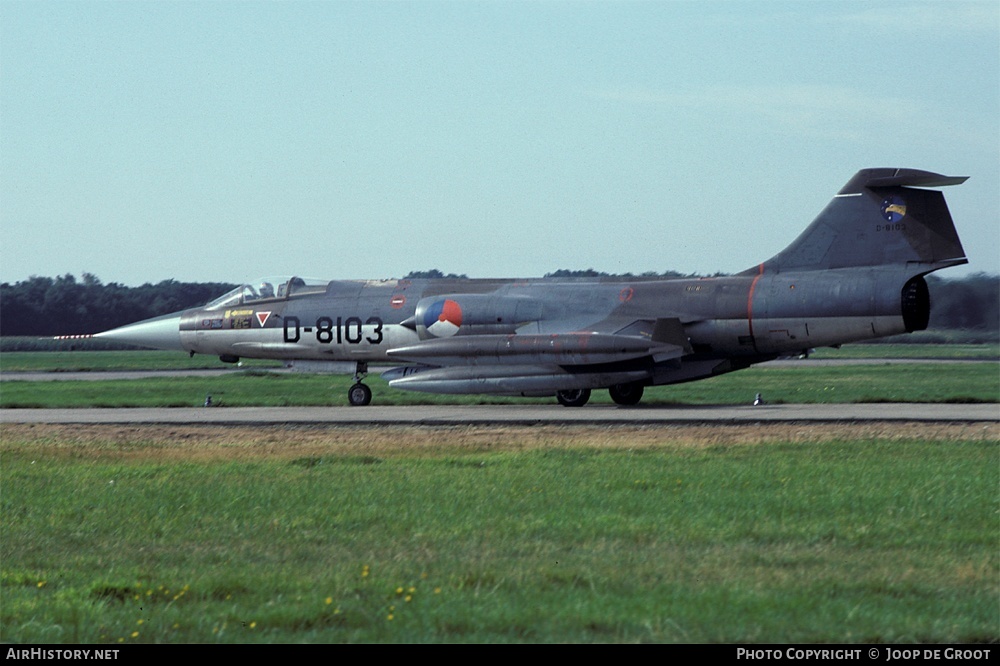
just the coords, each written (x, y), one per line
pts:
(894, 209)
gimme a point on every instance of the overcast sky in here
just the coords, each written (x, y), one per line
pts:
(219, 141)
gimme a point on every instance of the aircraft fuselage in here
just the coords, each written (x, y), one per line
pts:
(747, 317)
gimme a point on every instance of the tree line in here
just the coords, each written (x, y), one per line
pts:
(45, 306)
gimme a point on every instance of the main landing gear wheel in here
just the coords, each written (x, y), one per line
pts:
(626, 394)
(359, 395)
(573, 398)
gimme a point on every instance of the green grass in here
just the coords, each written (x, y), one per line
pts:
(102, 361)
(96, 361)
(914, 351)
(832, 541)
(959, 382)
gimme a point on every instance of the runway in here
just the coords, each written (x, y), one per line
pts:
(458, 415)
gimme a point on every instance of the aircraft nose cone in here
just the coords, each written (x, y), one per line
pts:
(158, 333)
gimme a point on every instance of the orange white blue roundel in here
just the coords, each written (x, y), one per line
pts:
(443, 319)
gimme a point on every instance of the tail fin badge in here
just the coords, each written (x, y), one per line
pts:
(894, 209)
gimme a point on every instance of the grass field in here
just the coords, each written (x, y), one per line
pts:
(916, 382)
(722, 534)
(97, 361)
(261, 385)
(833, 533)
(103, 361)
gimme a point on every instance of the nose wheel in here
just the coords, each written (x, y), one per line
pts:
(359, 394)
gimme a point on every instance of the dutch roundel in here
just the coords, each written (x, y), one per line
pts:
(442, 319)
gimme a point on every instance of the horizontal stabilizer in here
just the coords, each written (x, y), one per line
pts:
(884, 177)
(899, 178)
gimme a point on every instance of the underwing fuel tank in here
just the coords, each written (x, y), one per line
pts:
(565, 349)
(525, 380)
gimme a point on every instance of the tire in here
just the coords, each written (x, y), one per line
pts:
(626, 394)
(359, 395)
(573, 398)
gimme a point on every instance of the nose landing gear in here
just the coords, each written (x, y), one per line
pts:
(359, 394)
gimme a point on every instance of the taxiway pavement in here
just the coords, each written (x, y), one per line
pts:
(548, 414)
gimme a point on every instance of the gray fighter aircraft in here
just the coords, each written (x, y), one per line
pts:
(855, 273)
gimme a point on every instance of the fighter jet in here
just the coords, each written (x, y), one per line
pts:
(855, 273)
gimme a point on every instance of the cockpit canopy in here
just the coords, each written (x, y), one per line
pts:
(267, 288)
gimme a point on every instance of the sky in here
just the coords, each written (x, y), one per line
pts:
(221, 141)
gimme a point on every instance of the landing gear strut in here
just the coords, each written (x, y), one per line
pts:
(573, 397)
(359, 394)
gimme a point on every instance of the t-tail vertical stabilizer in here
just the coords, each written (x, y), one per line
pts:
(878, 219)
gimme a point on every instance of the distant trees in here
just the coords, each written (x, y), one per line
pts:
(971, 303)
(64, 305)
(44, 306)
(588, 273)
(432, 274)
(591, 273)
